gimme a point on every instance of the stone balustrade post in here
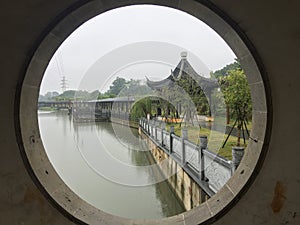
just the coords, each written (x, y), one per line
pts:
(163, 127)
(148, 127)
(237, 155)
(172, 129)
(155, 131)
(152, 128)
(184, 136)
(203, 145)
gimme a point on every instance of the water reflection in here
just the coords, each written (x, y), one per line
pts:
(65, 142)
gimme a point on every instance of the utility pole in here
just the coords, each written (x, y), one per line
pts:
(63, 84)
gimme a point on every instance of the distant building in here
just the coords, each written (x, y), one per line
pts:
(184, 70)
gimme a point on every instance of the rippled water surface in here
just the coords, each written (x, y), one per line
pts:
(105, 164)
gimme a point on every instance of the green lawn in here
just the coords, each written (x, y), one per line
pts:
(222, 120)
(215, 139)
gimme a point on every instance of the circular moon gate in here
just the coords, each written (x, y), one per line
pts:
(72, 205)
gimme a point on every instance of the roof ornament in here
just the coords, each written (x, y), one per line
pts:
(183, 57)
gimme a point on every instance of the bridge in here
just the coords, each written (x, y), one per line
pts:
(55, 104)
(94, 110)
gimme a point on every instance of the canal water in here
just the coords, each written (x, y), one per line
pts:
(108, 166)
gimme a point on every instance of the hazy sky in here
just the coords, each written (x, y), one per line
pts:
(134, 42)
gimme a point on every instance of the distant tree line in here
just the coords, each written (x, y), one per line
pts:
(69, 95)
(119, 87)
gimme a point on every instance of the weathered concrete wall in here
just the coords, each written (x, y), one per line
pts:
(187, 190)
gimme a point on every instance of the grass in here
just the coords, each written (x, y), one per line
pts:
(222, 120)
(215, 139)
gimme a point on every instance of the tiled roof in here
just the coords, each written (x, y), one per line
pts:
(183, 69)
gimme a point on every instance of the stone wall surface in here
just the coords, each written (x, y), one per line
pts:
(203, 166)
(187, 190)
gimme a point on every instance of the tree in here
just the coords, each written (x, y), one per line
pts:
(224, 71)
(221, 75)
(67, 95)
(94, 95)
(196, 94)
(105, 95)
(135, 88)
(117, 86)
(140, 109)
(42, 98)
(237, 97)
(50, 96)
